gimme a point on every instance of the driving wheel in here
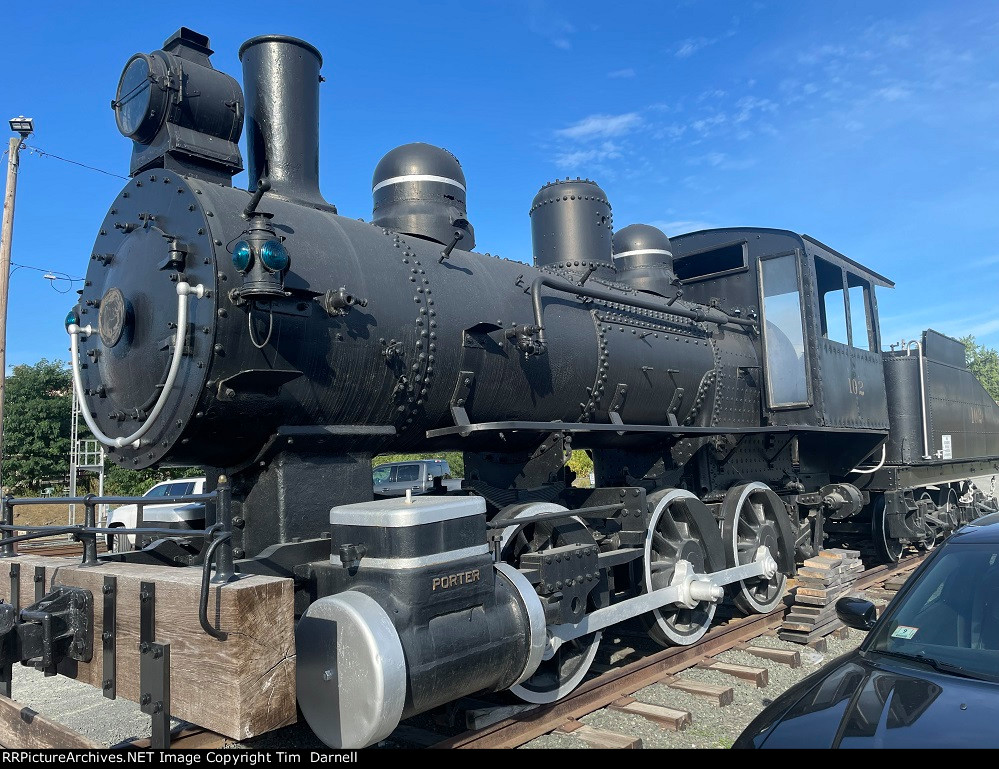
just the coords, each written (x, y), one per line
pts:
(563, 670)
(681, 529)
(750, 521)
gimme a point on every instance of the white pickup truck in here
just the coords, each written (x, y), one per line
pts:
(165, 516)
(394, 479)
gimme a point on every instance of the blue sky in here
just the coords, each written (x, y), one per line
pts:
(873, 127)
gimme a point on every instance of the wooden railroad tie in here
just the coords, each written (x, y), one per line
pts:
(895, 583)
(667, 718)
(789, 657)
(599, 738)
(720, 695)
(757, 676)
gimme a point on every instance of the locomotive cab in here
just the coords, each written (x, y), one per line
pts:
(819, 342)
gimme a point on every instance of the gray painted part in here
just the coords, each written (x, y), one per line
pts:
(420, 561)
(351, 670)
(535, 617)
(398, 513)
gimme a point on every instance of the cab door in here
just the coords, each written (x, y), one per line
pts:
(850, 373)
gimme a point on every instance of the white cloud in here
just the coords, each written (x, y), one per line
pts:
(622, 73)
(893, 93)
(574, 158)
(601, 126)
(690, 46)
(681, 226)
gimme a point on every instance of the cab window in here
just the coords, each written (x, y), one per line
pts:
(832, 301)
(408, 473)
(383, 474)
(783, 332)
(844, 306)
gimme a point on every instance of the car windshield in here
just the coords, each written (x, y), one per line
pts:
(381, 474)
(949, 618)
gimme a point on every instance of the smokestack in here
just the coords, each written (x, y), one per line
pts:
(281, 85)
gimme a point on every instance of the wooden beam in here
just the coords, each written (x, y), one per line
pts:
(241, 687)
(604, 738)
(720, 695)
(22, 727)
(668, 718)
(789, 657)
(757, 676)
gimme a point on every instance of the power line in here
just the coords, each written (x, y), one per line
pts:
(42, 153)
(52, 275)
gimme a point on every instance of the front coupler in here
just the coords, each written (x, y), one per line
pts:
(59, 626)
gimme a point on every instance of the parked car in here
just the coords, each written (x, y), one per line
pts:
(168, 515)
(393, 479)
(926, 676)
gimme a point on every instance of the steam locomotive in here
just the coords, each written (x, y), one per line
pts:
(728, 384)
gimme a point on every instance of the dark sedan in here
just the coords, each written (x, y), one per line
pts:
(926, 676)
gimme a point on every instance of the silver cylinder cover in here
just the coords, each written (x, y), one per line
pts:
(351, 670)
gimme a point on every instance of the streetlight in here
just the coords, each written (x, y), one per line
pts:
(24, 127)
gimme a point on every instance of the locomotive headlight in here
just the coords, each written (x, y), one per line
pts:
(242, 255)
(274, 256)
(140, 105)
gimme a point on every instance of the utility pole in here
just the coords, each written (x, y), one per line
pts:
(24, 127)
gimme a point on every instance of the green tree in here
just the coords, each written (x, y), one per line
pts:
(455, 460)
(582, 465)
(122, 482)
(984, 363)
(36, 425)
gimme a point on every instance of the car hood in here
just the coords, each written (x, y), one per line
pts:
(128, 514)
(872, 701)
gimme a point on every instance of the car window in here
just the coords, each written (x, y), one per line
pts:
(159, 490)
(951, 613)
(382, 474)
(408, 473)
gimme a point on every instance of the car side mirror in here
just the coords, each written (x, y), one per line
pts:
(858, 613)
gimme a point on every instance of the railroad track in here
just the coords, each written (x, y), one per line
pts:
(614, 688)
(61, 547)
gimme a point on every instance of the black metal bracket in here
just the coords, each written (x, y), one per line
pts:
(154, 670)
(15, 586)
(731, 451)
(7, 549)
(109, 632)
(460, 397)
(154, 701)
(39, 583)
(674, 405)
(617, 403)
